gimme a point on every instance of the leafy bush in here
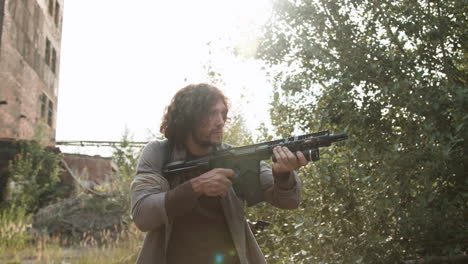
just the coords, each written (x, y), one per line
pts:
(14, 223)
(125, 156)
(393, 75)
(33, 177)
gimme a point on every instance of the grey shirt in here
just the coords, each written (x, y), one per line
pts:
(149, 190)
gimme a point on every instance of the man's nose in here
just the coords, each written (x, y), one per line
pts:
(219, 119)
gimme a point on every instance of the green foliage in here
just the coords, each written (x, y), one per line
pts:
(41, 133)
(33, 182)
(393, 75)
(34, 177)
(125, 156)
(13, 225)
(236, 132)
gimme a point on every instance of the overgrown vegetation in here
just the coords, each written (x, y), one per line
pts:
(393, 75)
(14, 223)
(86, 228)
(125, 156)
(32, 181)
(33, 177)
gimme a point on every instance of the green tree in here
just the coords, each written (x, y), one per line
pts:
(34, 177)
(393, 75)
(125, 156)
(236, 132)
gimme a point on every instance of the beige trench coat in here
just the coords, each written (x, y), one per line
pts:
(148, 191)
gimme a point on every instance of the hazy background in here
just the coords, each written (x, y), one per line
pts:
(121, 63)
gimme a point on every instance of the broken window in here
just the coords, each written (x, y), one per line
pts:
(47, 52)
(53, 60)
(50, 114)
(43, 101)
(57, 12)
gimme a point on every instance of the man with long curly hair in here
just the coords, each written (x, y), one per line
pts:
(198, 218)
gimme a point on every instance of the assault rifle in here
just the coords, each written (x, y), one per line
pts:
(245, 160)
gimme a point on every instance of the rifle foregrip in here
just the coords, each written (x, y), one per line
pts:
(310, 155)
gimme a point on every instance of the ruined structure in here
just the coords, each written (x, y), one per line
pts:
(30, 36)
(88, 171)
(30, 41)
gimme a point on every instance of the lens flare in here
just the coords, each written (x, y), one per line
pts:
(219, 258)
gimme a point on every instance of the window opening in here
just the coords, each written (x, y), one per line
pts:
(51, 113)
(47, 52)
(57, 12)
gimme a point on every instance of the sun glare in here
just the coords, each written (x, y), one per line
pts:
(126, 61)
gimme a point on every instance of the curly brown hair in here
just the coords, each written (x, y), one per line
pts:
(187, 108)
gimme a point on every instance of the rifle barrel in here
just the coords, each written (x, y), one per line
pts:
(338, 137)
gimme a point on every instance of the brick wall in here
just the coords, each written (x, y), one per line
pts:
(26, 72)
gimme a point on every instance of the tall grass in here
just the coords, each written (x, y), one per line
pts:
(14, 223)
(17, 245)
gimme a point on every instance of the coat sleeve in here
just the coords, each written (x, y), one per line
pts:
(148, 189)
(274, 191)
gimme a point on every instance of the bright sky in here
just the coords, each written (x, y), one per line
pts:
(122, 61)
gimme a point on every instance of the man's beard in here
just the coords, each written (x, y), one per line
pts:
(205, 143)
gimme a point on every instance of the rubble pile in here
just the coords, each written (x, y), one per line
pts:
(84, 215)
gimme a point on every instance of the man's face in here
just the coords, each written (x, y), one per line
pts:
(209, 131)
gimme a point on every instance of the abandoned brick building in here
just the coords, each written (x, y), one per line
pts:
(30, 43)
(30, 32)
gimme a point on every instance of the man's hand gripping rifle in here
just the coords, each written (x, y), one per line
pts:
(245, 160)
